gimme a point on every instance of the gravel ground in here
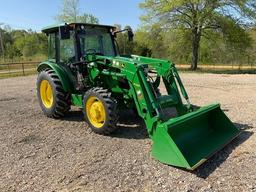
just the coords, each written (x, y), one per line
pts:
(43, 154)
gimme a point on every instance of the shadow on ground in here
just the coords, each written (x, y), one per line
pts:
(76, 116)
(217, 159)
(129, 126)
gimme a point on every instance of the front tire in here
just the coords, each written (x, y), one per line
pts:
(100, 110)
(53, 100)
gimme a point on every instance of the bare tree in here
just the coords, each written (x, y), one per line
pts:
(70, 13)
(1, 39)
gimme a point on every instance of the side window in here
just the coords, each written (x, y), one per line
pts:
(97, 39)
(67, 49)
(89, 42)
(107, 44)
(52, 51)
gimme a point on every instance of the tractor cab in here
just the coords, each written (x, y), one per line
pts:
(70, 43)
(77, 44)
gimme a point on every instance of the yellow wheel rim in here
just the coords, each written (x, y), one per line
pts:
(95, 111)
(46, 93)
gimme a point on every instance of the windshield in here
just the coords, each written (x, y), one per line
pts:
(96, 40)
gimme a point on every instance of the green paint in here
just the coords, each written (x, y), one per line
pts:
(64, 76)
(184, 141)
(77, 100)
(189, 140)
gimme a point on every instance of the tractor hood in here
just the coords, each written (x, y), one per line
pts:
(121, 61)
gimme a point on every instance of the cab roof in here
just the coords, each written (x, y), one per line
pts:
(55, 28)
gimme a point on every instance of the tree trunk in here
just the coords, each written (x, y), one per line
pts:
(195, 48)
(2, 43)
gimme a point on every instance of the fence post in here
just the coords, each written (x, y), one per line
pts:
(8, 64)
(23, 71)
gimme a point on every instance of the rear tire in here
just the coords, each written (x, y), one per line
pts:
(53, 100)
(100, 110)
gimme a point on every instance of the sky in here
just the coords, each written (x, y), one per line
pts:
(36, 14)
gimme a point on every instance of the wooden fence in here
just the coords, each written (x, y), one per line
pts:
(29, 67)
(18, 68)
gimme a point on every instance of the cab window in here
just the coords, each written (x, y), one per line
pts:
(52, 46)
(67, 49)
(96, 40)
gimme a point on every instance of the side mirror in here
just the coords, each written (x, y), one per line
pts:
(129, 31)
(64, 32)
(130, 35)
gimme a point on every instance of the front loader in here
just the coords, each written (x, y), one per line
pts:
(84, 69)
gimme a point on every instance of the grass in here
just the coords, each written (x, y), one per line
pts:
(219, 71)
(15, 70)
(24, 59)
(16, 74)
(18, 66)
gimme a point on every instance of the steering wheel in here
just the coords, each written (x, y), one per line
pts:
(92, 52)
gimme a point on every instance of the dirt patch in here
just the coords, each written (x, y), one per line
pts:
(43, 154)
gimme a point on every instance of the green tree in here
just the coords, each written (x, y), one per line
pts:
(12, 51)
(22, 43)
(199, 16)
(142, 44)
(125, 47)
(5, 38)
(70, 13)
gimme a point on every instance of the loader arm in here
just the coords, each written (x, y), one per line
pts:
(168, 71)
(148, 106)
(191, 137)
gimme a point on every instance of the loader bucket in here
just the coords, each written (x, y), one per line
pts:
(189, 140)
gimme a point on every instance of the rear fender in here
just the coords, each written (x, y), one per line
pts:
(62, 74)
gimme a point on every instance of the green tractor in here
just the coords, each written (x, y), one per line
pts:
(84, 69)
